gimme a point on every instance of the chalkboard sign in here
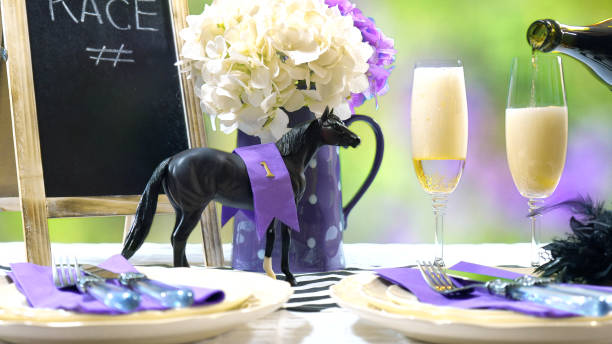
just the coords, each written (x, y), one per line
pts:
(96, 102)
(108, 93)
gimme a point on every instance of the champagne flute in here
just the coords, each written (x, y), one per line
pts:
(439, 130)
(536, 133)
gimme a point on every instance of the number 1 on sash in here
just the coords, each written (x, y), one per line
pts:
(268, 172)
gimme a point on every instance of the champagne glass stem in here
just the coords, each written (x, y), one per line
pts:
(439, 203)
(534, 204)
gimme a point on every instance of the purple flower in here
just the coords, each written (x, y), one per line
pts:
(380, 61)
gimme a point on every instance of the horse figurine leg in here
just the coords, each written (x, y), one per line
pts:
(286, 242)
(185, 223)
(267, 261)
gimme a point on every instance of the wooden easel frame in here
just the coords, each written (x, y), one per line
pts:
(35, 207)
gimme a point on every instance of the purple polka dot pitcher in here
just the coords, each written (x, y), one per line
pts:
(318, 245)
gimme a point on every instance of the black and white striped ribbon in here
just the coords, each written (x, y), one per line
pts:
(312, 291)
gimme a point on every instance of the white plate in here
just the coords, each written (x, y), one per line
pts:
(248, 297)
(393, 307)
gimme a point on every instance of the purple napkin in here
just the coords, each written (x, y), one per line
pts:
(411, 279)
(36, 283)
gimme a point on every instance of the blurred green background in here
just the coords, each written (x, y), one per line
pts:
(486, 207)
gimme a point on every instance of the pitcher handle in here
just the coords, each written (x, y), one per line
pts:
(380, 148)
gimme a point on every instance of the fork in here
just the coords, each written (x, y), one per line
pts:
(67, 274)
(523, 289)
(439, 281)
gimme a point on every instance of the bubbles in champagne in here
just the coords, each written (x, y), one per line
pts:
(439, 176)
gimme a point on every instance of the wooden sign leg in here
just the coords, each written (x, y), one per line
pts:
(36, 232)
(26, 138)
(213, 251)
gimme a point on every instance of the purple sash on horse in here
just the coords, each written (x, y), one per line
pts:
(272, 191)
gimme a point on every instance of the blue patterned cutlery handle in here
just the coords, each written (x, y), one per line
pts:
(113, 296)
(167, 295)
(577, 303)
(578, 290)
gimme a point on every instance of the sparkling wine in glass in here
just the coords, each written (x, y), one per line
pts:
(439, 129)
(536, 133)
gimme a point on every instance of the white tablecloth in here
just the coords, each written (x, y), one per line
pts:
(334, 325)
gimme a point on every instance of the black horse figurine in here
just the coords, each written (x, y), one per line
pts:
(194, 177)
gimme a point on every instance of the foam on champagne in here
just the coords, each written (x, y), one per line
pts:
(536, 143)
(439, 120)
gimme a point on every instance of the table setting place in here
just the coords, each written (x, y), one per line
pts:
(115, 301)
(472, 303)
(127, 134)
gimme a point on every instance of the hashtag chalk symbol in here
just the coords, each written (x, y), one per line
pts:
(112, 52)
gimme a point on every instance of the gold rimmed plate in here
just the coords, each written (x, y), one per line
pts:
(394, 307)
(248, 296)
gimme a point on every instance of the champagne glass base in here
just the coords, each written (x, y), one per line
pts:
(439, 202)
(536, 250)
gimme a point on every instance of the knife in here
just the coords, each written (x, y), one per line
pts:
(471, 276)
(568, 289)
(167, 295)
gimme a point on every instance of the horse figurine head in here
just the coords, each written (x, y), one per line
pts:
(334, 132)
(301, 143)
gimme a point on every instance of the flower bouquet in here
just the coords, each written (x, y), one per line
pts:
(255, 61)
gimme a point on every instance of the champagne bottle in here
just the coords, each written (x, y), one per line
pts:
(591, 45)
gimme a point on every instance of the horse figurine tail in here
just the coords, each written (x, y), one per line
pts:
(145, 212)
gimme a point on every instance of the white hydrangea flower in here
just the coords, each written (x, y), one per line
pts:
(247, 57)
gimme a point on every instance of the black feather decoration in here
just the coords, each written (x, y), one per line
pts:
(585, 255)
